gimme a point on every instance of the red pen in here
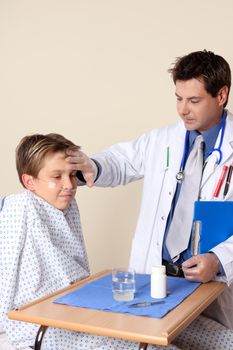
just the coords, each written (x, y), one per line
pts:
(220, 181)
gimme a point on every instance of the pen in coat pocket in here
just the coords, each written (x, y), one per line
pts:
(220, 181)
(228, 181)
(168, 157)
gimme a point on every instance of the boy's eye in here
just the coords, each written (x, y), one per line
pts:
(57, 176)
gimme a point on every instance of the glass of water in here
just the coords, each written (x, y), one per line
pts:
(123, 284)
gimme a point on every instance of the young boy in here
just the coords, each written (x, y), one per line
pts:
(41, 242)
(42, 247)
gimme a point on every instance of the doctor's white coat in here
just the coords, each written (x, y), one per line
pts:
(147, 158)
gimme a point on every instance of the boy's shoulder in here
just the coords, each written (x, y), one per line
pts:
(15, 202)
(14, 199)
(13, 213)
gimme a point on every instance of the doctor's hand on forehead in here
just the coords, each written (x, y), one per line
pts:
(201, 268)
(81, 162)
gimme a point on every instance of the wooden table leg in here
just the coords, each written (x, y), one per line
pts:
(39, 337)
(42, 330)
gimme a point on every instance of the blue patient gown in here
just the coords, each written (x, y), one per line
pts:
(42, 250)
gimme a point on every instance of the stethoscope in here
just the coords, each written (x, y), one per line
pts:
(180, 174)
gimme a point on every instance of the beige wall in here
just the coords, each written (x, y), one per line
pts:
(96, 71)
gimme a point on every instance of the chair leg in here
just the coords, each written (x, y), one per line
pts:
(142, 346)
(39, 337)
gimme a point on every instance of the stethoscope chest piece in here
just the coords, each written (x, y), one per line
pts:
(180, 176)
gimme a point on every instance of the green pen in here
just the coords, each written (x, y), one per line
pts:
(168, 156)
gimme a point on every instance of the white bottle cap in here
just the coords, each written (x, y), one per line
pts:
(158, 269)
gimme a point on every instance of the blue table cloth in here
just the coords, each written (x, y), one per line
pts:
(98, 295)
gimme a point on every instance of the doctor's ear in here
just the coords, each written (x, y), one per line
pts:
(222, 95)
(28, 182)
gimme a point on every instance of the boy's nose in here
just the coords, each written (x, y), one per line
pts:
(69, 184)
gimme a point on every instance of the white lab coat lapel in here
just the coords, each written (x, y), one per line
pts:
(167, 172)
(178, 150)
(227, 152)
(176, 146)
(227, 146)
(210, 166)
(163, 190)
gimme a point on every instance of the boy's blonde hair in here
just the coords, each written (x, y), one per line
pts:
(32, 150)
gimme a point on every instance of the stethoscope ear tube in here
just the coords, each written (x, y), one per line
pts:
(221, 140)
(180, 175)
(218, 161)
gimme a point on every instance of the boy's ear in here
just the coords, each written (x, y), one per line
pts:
(28, 182)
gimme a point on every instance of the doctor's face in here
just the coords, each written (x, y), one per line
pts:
(197, 108)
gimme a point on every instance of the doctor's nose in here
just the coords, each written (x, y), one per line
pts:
(183, 109)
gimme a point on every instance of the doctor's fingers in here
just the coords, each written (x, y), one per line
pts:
(80, 161)
(192, 274)
(76, 156)
(199, 275)
(194, 268)
(192, 262)
(204, 270)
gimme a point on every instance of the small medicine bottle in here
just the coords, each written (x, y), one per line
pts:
(158, 282)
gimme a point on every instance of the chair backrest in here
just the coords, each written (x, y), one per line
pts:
(2, 202)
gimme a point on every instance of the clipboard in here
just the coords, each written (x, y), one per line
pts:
(213, 224)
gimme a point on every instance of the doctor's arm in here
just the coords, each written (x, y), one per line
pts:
(117, 165)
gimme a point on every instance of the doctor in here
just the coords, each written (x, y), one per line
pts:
(202, 83)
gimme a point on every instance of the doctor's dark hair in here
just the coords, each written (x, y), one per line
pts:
(213, 69)
(32, 151)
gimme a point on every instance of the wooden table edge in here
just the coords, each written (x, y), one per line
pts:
(166, 336)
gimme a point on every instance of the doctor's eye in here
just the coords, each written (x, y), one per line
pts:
(194, 101)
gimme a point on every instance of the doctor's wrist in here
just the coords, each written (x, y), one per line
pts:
(217, 266)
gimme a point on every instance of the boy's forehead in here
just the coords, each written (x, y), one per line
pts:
(55, 160)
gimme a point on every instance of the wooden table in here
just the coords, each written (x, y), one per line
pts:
(144, 330)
